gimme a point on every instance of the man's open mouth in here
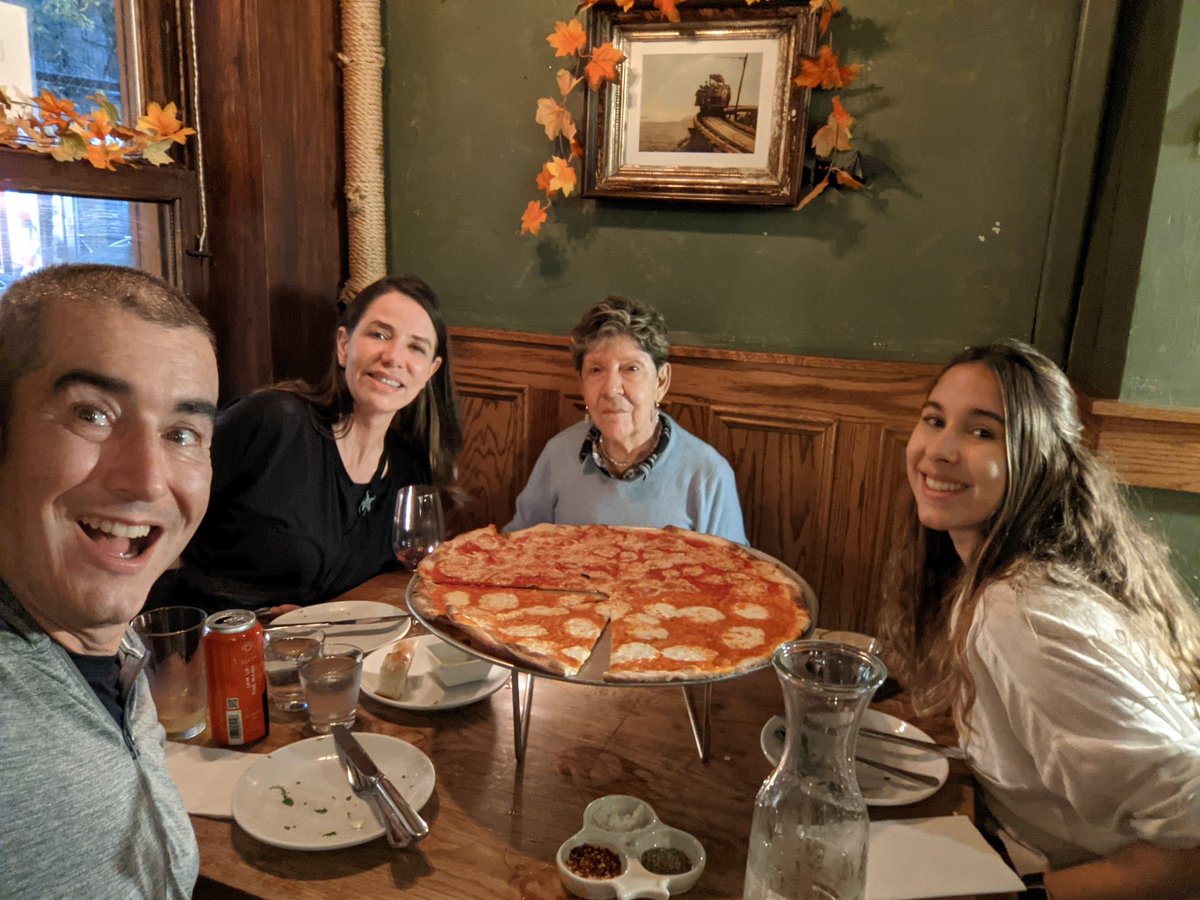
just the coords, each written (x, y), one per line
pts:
(120, 539)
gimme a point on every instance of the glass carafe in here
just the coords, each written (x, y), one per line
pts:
(809, 836)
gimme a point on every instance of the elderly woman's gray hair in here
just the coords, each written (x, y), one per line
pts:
(621, 317)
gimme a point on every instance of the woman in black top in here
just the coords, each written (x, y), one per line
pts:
(305, 476)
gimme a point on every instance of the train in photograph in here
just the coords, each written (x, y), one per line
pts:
(713, 96)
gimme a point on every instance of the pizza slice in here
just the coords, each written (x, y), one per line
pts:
(550, 631)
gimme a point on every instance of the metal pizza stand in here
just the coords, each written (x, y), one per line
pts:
(592, 672)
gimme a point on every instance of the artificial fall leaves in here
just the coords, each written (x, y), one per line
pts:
(826, 72)
(558, 176)
(835, 134)
(47, 124)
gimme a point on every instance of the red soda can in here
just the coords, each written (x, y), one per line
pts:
(237, 678)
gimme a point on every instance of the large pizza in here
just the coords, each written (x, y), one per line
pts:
(669, 604)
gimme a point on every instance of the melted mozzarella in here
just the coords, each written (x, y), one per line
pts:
(582, 628)
(634, 652)
(743, 637)
(496, 601)
(701, 614)
(689, 654)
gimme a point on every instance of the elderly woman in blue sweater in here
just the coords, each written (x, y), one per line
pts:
(628, 462)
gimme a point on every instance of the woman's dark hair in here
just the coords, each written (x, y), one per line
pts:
(430, 421)
(1064, 515)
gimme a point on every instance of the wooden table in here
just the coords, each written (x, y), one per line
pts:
(496, 825)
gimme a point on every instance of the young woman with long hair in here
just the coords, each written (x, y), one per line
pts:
(1030, 604)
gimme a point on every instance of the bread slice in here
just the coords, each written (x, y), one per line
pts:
(394, 672)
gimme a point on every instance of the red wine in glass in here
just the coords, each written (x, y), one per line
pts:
(417, 527)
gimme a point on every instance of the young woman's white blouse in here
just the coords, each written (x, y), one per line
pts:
(1081, 739)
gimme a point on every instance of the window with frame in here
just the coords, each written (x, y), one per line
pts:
(54, 212)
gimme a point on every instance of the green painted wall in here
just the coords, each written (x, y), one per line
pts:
(1162, 367)
(1163, 363)
(962, 101)
(1175, 517)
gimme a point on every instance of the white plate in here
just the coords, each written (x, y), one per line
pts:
(422, 690)
(324, 813)
(878, 788)
(365, 637)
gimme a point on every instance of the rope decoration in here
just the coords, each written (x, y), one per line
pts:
(362, 60)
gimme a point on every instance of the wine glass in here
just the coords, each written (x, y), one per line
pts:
(417, 527)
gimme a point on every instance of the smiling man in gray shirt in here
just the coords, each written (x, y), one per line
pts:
(108, 386)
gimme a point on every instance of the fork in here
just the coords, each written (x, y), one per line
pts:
(397, 835)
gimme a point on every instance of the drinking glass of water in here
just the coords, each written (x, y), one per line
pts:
(331, 681)
(418, 526)
(284, 650)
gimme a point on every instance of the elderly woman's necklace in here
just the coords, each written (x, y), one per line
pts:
(637, 457)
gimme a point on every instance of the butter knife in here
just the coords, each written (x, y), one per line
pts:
(917, 743)
(370, 620)
(896, 771)
(379, 782)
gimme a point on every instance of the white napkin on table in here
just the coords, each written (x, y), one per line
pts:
(937, 857)
(206, 776)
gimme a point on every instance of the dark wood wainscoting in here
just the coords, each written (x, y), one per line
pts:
(816, 444)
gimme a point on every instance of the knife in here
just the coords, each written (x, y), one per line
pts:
(379, 782)
(918, 777)
(370, 620)
(916, 743)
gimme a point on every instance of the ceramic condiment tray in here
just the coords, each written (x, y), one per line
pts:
(628, 826)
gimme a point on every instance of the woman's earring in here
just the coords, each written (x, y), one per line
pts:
(587, 414)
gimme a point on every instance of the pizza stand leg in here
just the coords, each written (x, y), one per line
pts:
(700, 719)
(521, 711)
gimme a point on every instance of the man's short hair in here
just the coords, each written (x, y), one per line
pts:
(23, 309)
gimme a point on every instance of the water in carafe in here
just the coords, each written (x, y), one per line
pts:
(808, 840)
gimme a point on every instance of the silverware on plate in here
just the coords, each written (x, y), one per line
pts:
(916, 777)
(393, 828)
(890, 737)
(369, 620)
(379, 785)
(897, 772)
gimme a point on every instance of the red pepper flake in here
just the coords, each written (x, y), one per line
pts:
(590, 861)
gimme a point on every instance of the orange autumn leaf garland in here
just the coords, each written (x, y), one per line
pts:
(826, 72)
(533, 217)
(51, 125)
(558, 176)
(603, 65)
(568, 38)
(835, 134)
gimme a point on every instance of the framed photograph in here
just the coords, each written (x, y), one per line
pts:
(705, 108)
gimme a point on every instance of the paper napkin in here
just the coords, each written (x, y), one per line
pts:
(938, 857)
(206, 776)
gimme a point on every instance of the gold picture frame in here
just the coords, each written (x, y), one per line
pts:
(733, 67)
